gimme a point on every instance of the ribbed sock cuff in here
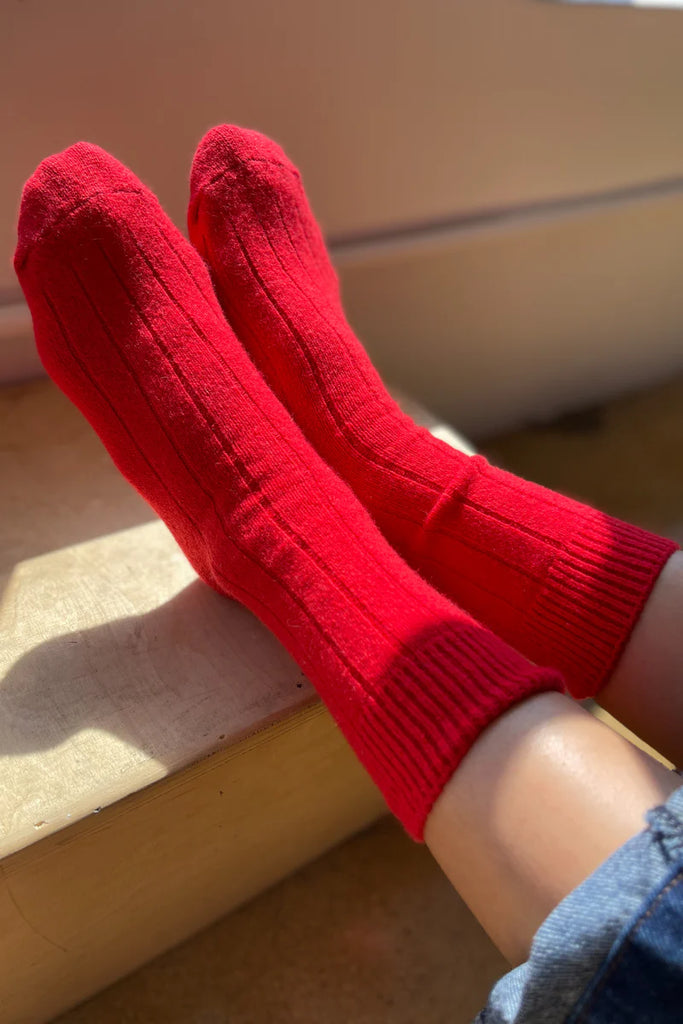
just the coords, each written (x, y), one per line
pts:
(592, 597)
(416, 727)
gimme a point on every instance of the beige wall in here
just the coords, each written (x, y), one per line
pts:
(399, 112)
(502, 326)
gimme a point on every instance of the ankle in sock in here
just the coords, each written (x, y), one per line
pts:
(560, 581)
(128, 326)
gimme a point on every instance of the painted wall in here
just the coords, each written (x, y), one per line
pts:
(417, 119)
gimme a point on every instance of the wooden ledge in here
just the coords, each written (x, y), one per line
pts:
(162, 758)
(120, 668)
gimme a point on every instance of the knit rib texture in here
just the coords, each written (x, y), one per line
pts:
(127, 324)
(560, 581)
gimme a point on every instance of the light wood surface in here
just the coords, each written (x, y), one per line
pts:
(90, 903)
(118, 668)
(162, 758)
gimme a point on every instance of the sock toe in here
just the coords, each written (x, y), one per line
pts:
(227, 149)
(245, 186)
(61, 184)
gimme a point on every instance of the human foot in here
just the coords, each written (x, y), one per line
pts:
(560, 581)
(127, 324)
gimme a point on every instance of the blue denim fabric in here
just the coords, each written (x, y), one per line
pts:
(612, 951)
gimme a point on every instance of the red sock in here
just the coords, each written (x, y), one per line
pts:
(560, 581)
(127, 324)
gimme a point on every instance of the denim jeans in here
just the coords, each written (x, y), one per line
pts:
(612, 951)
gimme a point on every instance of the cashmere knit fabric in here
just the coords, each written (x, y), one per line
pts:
(128, 326)
(560, 581)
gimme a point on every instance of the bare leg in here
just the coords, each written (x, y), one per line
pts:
(645, 691)
(545, 795)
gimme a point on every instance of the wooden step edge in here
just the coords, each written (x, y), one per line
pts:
(90, 903)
